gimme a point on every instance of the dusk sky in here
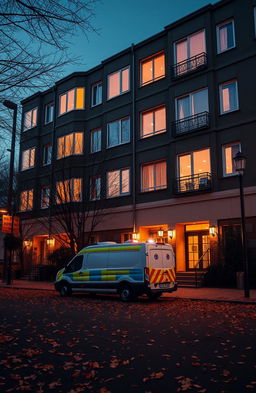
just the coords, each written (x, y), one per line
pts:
(121, 23)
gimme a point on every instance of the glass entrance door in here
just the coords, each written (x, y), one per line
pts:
(197, 244)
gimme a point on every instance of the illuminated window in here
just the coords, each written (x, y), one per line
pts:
(69, 191)
(152, 69)
(225, 36)
(153, 176)
(97, 94)
(187, 48)
(153, 121)
(228, 97)
(70, 144)
(72, 99)
(118, 132)
(47, 154)
(30, 119)
(28, 159)
(26, 200)
(118, 82)
(229, 151)
(192, 104)
(194, 163)
(118, 183)
(45, 197)
(95, 182)
(95, 140)
(49, 111)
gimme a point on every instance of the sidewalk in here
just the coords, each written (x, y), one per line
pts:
(213, 294)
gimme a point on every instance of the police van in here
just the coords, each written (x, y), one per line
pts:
(129, 269)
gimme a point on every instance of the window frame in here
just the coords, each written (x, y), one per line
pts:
(97, 84)
(121, 194)
(75, 96)
(120, 82)
(152, 58)
(73, 145)
(22, 158)
(71, 190)
(27, 200)
(218, 26)
(152, 110)
(32, 114)
(221, 99)
(191, 153)
(41, 196)
(49, 105)
(95, 130)
(227, 145)
(98, 192)
(48, 162)
(190, 102)
(120, 131)
(156, 188)
(186, 38)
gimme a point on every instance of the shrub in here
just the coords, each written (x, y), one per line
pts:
(60, 257)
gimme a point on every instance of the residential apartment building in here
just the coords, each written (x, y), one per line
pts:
(148, 137)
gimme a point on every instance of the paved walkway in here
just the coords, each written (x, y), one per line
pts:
(214, 294)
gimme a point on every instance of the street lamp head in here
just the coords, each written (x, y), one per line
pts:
(240, 162)
(10, 104)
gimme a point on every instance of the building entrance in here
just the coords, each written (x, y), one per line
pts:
(197, 245)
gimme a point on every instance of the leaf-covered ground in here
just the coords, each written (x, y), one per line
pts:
(100, 345)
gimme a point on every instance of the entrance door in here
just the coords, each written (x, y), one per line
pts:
(197, 244)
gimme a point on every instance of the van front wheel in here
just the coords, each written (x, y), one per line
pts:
(126, 293)
(65, 290)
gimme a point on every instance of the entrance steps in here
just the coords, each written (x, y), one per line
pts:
(190, 279)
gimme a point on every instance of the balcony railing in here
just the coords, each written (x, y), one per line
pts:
(189, 65)
(199, 182)
(191, 123)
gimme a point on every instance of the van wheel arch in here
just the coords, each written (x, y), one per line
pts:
(65, 289)
(126, 292)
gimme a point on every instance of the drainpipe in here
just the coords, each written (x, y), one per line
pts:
(133, 144)
(51, 199)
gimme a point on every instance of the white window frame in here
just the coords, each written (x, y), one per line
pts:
(98, 187)
(152, 110)
(32, 115)
(187, 38)
(48, 195)
(120, 132)
(151, 58)
(96, 130)
(50, 105)
(156, 188)
(120, 183)
(190, 94)
(120, 82)
(220, 96)
(219, 51)
(73, 144)
(27, 192)
(226, 145)
(96, 85)
(49, 155)
(29, 158)
(75, 94)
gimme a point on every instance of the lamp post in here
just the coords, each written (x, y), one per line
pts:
(240, 163)
(11, 105)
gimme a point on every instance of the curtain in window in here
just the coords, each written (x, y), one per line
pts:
(78, 148)
(25, 159)
(30, 200)
(147, 71)
(68, 145)
(80, 98)
(114, 85)
(185, 165)
(201, 161)
(113, 183)
(181, 51)
(160, 174)
(159, 66)
(34, 117)
(125, 80)
(77, 190)
(160, 120)
(125, 181)
(183, 108)
(148, 178)
(63, 103)
(197, 44)
(32, 157)
(28, 120)
(147, 123)
(71, 100)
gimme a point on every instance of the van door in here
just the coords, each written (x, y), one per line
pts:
(74, 269)
(161, 265)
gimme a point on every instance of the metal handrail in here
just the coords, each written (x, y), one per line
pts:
(190, 64)
(199, 260)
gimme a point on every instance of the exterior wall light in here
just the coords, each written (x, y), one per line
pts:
(171, 233)
(213, 230)
(27, 243)
(50, 241)
(135, 236)
(160, 233)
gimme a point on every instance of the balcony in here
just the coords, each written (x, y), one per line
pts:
(199, 182)
(191, 123)
(190, 65)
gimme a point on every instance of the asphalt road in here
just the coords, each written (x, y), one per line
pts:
(100, 345)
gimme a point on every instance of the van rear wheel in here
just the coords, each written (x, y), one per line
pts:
(65, 290)
(126, 293)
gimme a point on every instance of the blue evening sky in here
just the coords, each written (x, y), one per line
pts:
(123, 22)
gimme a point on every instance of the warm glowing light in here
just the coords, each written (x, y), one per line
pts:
(213, 230)
(171, 233)
(3, 211)
(151, 241)
(27, 243)
(135, 236)
(50, 241)
(160, 233)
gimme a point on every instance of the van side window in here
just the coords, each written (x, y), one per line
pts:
(75, 265)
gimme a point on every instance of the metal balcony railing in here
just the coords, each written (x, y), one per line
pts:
(189, 65)
(199, 182)
(192, 123)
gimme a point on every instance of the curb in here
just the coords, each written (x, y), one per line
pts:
(29, 289)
